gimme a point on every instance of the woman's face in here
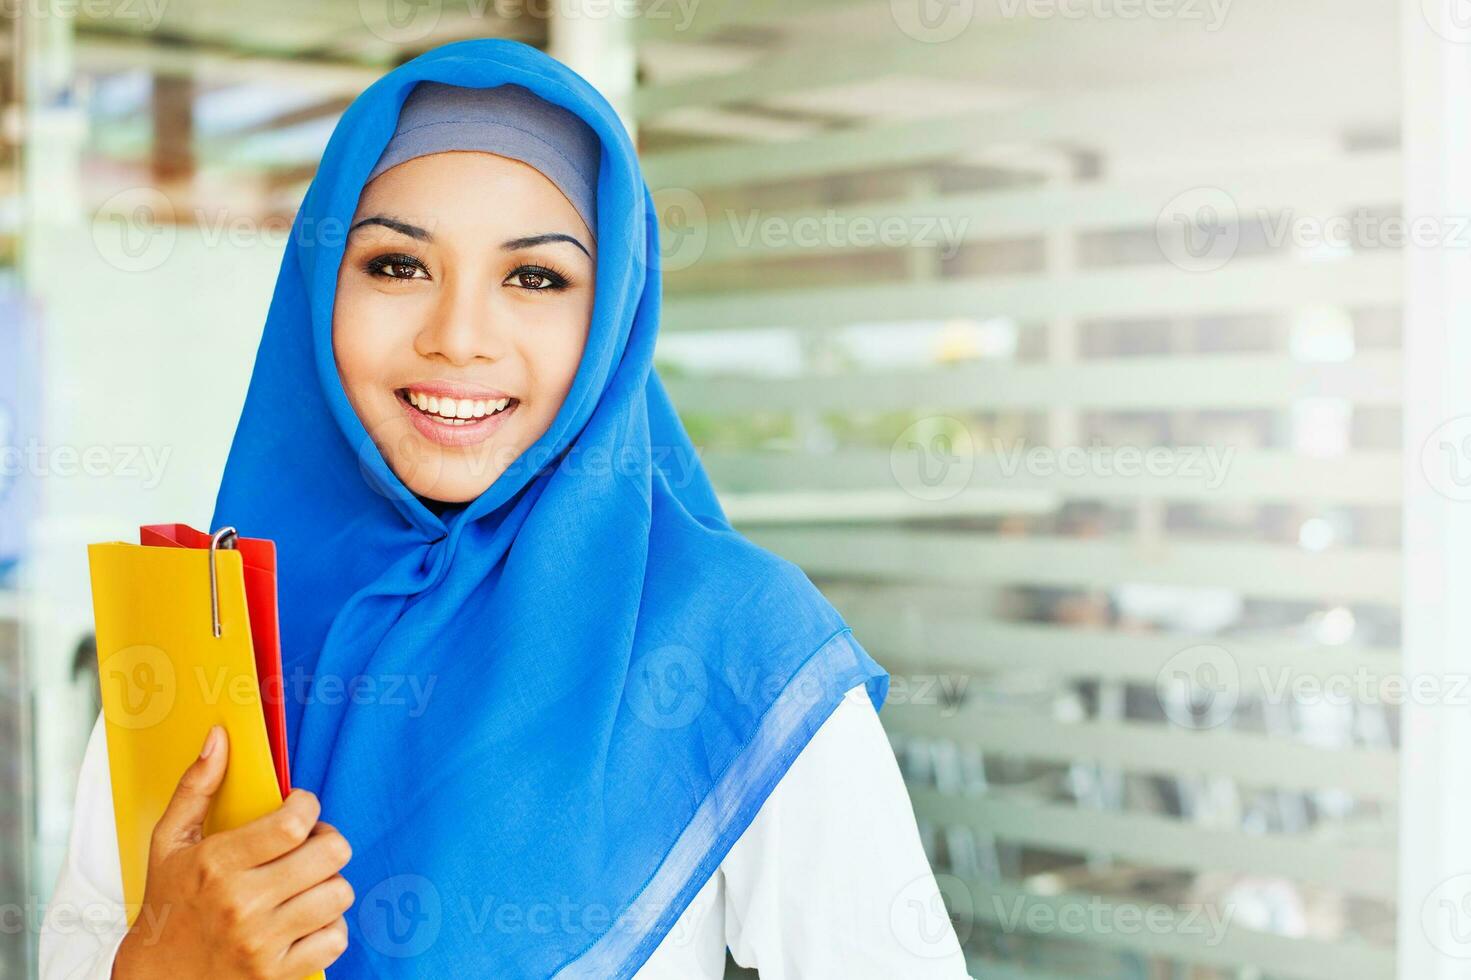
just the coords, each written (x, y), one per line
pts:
(462, 309)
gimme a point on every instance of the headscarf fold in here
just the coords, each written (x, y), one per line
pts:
(543, 718)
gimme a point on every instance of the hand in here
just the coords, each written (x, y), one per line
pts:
(261, 902)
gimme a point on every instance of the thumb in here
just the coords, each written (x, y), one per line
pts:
(182, 822)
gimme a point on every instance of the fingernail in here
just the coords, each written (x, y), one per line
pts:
(210, 741)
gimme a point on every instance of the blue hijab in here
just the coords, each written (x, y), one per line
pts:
(542, 718)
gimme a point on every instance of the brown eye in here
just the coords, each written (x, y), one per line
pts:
(397, 266)
(536, 278)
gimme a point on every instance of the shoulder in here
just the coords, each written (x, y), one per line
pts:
(848, 757)
(847, 763)
(827, 878)
(831, 877)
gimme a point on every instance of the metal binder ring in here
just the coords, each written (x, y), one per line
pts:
(223, 538)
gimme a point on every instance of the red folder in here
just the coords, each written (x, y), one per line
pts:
(259, 558)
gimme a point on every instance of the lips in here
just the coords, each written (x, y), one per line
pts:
(454, 418)
(452, 410)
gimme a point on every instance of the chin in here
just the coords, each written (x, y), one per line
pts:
(452, 490)
(449, 474)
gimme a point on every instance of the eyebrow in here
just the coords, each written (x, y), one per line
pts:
(424, 235)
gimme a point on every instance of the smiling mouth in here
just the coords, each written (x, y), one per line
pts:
(455, 411)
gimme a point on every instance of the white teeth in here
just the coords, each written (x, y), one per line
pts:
(456, 411)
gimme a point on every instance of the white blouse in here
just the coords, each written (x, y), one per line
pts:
(829, 880)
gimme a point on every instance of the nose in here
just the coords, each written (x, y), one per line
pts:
(463, 326)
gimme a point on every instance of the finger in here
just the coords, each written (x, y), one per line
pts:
(322, 856)
(316, 952)
(313, 909)
(183, 819)
(278, 832)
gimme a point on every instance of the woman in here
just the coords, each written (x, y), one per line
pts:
(564, 722)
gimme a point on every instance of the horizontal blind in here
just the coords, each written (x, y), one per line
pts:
(1062, 351)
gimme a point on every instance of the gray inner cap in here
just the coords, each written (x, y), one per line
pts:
(508, 120)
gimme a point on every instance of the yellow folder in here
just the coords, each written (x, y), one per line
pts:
(166, 678)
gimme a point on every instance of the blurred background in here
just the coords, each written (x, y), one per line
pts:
(1102, 360)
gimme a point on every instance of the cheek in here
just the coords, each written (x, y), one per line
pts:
(353, 350)
(364, 341)
(552, 356)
